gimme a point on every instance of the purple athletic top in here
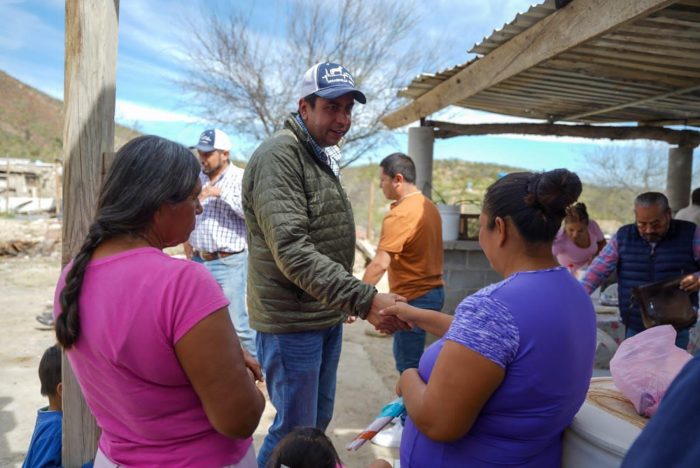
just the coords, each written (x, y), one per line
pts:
(540, 327)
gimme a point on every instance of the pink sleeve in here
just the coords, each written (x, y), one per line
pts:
(595, 232)
(195, 296)
(557, 246)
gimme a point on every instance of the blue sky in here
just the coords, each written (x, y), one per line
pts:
(150, 59)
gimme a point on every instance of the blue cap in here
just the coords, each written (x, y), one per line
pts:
(329, 81)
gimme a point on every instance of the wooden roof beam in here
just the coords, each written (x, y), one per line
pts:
(686, 138)
(630, 104)
(563, 30)
(690, 121)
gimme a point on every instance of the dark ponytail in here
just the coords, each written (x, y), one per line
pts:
(147, 172)
(536, 202)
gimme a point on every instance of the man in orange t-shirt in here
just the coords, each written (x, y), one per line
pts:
(410, 249)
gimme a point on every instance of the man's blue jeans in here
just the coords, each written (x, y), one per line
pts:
(682, 337)
(232, 273)
(300, 371)
(409, 344)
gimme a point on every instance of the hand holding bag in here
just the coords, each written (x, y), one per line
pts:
(665, 303)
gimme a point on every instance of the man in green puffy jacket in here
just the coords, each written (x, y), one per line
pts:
(301, 238)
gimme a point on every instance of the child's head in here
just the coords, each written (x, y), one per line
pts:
(50, 375)
(304, 447)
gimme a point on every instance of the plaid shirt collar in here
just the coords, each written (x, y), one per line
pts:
(329, 156)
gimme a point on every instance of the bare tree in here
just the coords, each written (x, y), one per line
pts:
(256, 78)
(620, 173)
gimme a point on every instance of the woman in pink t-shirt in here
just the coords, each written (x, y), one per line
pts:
(579, 240)
(149, 336)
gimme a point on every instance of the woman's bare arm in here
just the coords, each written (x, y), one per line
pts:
(432, 321)
(211, 356)
(461, 383)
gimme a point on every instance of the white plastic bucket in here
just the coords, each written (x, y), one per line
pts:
(449, 214)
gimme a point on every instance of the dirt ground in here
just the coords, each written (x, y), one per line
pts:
(366, 376)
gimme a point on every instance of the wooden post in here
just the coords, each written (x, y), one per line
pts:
(7, 188)
(370, 211)
(57, 170)
(88, 133)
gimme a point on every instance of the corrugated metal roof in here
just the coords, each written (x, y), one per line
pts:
(644, 71)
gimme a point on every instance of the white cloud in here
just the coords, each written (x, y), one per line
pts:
(153, 26)
(22, 28)
(134, 66)
(127, 111)
(468, 21)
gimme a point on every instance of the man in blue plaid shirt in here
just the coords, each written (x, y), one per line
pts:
(218, 240)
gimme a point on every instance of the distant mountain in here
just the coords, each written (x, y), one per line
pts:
(31, 127)
(31, 122)
(465, 183)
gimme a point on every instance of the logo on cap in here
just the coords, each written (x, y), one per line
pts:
(213, 139)
(330, 81)
(333, 75)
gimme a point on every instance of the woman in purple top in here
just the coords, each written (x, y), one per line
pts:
(579, 240)
(513, 365)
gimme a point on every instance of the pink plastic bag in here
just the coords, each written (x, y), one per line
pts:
(645, 365)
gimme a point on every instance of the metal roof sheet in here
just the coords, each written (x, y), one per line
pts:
(647, 71)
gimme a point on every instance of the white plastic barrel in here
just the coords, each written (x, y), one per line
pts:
(450, 221)
(599, 436)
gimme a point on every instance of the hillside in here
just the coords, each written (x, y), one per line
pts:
(31, 127)
(31, 122)
(462, 182)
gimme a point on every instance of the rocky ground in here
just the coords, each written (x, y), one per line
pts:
(30, 237)
(29, 268)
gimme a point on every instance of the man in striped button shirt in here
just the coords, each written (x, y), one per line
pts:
(218, 240)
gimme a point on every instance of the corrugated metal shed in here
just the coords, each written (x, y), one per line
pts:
(647, 70)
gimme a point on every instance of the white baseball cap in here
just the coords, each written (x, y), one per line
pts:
(329, 81)
(213, 139)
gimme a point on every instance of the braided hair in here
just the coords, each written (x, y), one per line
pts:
(147, 172)
(536, 202)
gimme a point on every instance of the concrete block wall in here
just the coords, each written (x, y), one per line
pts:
(466, 270)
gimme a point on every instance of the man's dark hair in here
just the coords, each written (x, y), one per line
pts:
(652, 198)
(311, 100)
(399, 163)
(695, 197)
(50, 370)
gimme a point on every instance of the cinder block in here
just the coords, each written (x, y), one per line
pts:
(476, 260)
(455, 260)
(467, 279)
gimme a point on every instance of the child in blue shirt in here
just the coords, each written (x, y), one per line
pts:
(45, 447)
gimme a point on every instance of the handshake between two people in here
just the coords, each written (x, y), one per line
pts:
(384, 313)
